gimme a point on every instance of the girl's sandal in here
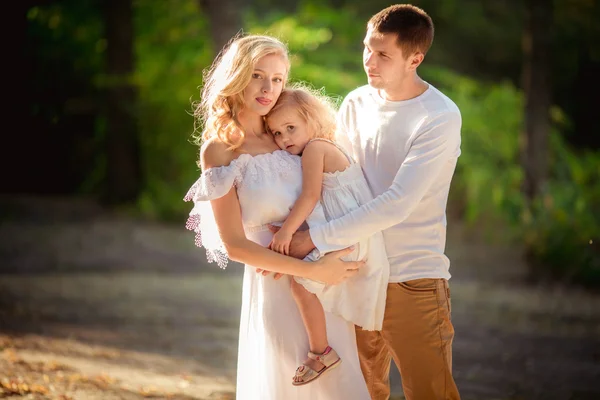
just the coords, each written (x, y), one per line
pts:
(315, 365)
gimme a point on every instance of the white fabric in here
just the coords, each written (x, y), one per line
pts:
(408, 152)
(360, 300)
(213, 183)
(272, 339)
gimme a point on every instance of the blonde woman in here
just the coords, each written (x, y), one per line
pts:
(248, 183)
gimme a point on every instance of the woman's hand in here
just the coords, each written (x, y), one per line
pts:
(330, 269)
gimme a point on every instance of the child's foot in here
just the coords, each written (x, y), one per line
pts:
(315, 366)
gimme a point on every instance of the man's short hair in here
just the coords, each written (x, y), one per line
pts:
(412, 25)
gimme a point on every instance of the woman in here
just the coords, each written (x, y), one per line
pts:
(248, 183)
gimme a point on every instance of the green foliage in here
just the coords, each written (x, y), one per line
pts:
(318, 56)
(562, 229)
(65, 52)
(66, 31)
(172, 50)
(488, 174)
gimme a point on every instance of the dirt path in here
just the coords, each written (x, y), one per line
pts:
(96, 306)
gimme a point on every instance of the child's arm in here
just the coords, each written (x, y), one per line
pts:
(312, 180)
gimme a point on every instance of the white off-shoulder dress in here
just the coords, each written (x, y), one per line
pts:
(272, 339)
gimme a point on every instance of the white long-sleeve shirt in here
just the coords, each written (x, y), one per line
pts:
(408, 152)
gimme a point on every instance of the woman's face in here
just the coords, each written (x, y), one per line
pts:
(266, 84)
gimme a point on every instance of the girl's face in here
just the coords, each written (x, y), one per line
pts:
(266, 84)
(289, 129)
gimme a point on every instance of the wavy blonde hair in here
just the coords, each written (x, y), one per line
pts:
(314, 106)
(224, 82)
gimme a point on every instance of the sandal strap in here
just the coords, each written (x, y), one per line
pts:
(325, 359)
(313, 364)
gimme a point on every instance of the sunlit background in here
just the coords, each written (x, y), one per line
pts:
(102, 293)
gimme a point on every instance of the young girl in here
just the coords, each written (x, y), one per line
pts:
(302, 122)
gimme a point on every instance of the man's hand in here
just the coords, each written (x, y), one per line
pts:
(300, 245)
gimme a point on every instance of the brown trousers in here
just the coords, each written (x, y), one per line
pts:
(417, 333)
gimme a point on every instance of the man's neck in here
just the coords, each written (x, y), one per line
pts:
(408, 89)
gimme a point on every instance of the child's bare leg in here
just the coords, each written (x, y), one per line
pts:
(313, 317)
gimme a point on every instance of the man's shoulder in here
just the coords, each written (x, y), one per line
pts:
(441, 112)
(440, 103)
(356, 99)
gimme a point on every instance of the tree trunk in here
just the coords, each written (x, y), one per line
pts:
(18, 171)
(225, 20)
(123, 167)
(537, 88)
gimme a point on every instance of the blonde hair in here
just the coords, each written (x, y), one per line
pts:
(316, 108)
(222, 95)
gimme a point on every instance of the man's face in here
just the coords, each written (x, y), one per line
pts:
(383, 60)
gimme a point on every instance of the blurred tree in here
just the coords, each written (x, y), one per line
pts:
(225, 20)
(575, 65)
(537, 89)
(123, 169)
(19, 69)
(54, 94)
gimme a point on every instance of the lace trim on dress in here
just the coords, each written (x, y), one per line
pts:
(212, 184)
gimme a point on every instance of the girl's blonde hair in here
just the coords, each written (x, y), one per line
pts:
(316, 108)
(224, 82)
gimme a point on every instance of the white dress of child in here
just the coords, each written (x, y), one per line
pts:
(360, 299)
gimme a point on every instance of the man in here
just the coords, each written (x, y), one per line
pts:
(406, 136)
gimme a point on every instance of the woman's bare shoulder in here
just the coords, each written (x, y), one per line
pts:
(215, 153)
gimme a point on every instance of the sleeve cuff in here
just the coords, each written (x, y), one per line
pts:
(317, 235)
